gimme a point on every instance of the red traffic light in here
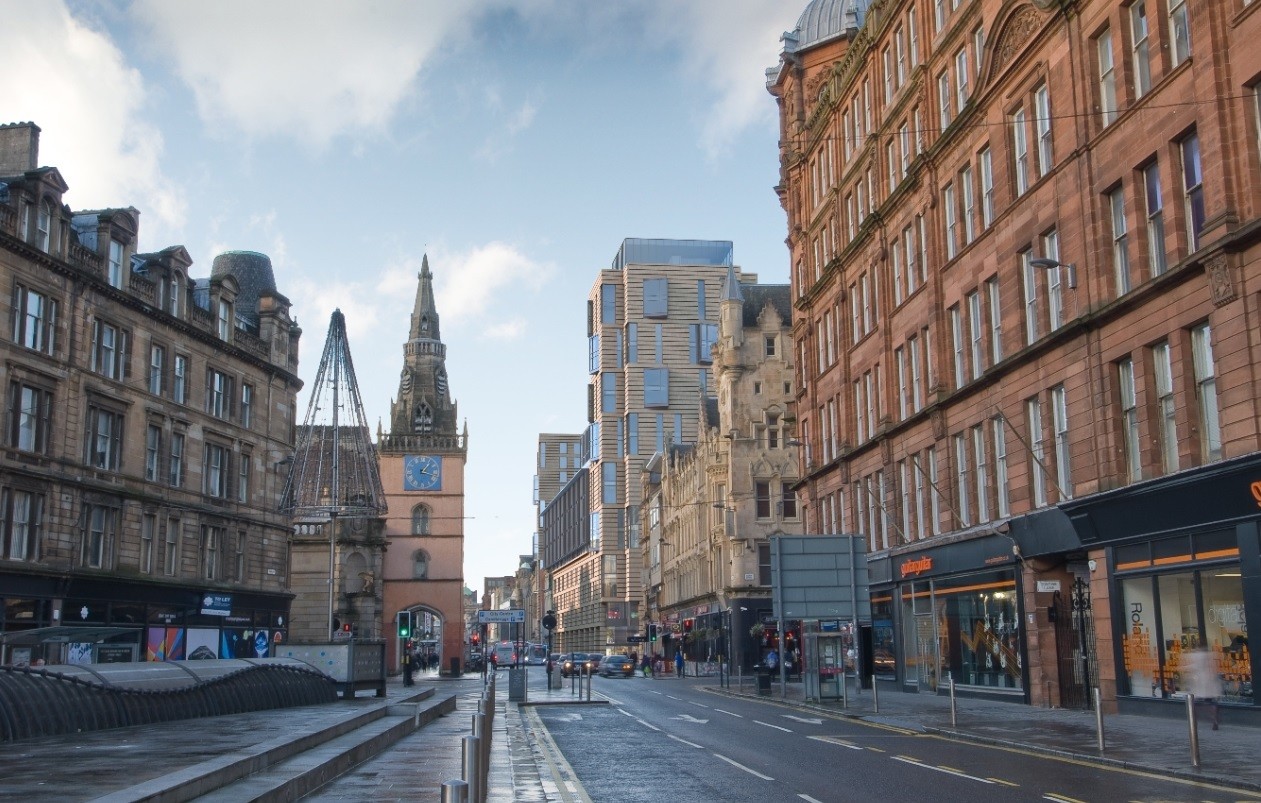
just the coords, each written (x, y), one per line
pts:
(687, 625)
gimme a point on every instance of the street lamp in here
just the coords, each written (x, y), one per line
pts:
(1052, 264)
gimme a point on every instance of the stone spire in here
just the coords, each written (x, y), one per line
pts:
(731, 286)
(423, 405)
(424, 311)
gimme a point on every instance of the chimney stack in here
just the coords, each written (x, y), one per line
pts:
(19, 148)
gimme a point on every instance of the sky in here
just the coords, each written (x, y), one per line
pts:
(516, 142)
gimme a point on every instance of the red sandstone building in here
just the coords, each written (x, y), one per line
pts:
(1024, 242)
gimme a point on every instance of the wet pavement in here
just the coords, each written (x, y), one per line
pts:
(525, 767)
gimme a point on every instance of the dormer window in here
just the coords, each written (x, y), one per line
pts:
(44, 227)
(115, 263)
(225, 320)
(173, 295)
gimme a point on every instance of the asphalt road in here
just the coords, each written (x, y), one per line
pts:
(668, 739)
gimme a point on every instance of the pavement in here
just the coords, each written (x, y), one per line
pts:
(523, 768)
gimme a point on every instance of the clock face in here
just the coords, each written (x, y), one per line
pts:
(422, 473)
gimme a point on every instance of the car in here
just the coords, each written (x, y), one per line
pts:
(574, 663)
(617, 666)
(475, 662)
(593, 661)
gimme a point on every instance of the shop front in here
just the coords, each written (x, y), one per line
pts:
(950, 612)
(1183, 555)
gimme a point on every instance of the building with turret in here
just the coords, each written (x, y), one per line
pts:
(422, 461)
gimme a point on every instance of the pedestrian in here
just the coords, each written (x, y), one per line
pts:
(647, 665)
(678, 662)
(771, 661)
(1199, 676)
(407, 668)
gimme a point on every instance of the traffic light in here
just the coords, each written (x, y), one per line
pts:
(475, 639)
(652, 631)
(687, 625)
(549, 620)
(404, 624)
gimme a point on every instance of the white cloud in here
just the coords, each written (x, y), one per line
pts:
(469, 284)
(89, 103)
(511, 329)
(309, 69)
(500, 142)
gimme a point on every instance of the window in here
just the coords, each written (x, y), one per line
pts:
(1129, 420)
(1192, 190)
(1059, 423)
(787, 501)
(899, 359)
(911, 36)
(243, 478)
(420, 519)
(980, 460)
(702, 337)
(104, 441)
(179, 388)
(171, 548)
(632, 433)
(21, 523)
(238, 572)
(1055, 289)
(887, 60)
(44, 227)
(157, 368)
(978, 47)
(912, 272)
(917, 473)
(247, 404)
(1179, 31)
(111, 350)
(986, 162)
(212, 539)
(34, 320)
(1139, 48)
(608, 393)
(939, 15)
(772, 431)
(219, 393)
(1020, 151)
(175, 472)
(1001, 487)
(969, 207)
(632, 342)
(608, 304)
(656, 387)
(152, 452)
(768, 345)
(30, 417)
(1120, 241)
(100, 525)
(899, 38)
(762, 496)
(948, 207)
(963, 489)
(956, 338)
(961, 79)
(115, 270)
(1206, 392)
(1028, 273)
(917, 396)
(904, 150)
(1107, 78)
(1042, 108)
(1155, 220)
(655, 298)
(895, 264)
(215, 471)
(1162, 363)
(996, 320)
(976, 327)
(148, 530)
(224, 320)
(943, 100)
(608, 482)
(1037, 452)
(934, 496)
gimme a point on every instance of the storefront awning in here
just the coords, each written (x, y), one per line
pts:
(63, 635)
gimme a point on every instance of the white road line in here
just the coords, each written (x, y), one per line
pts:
(699, 705)
(730, 713)
(627, 713)
(654, 691)
(834, 740)
(648, 725)
(807, 797)
(769, 725)
(685, 741)
(672, 697)
(738, 765)
(941, 769)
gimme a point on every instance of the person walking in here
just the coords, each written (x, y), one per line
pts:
(646, 666)
(407, 668)
(678, 662)
(1200, 678)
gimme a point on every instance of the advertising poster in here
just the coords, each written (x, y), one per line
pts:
(165, 644)
(79, 652)
(203, 643)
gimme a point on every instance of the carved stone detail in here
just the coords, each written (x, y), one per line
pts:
(1020, 28)
(1220, 284)
(939, 425)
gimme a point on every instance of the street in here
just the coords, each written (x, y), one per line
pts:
(670, 737)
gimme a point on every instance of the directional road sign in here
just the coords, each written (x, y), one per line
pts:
(508, 616)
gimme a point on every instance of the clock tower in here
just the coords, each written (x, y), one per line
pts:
(422, 468)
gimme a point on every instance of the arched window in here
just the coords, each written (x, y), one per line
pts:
(420, 520)
(175, 289)
(420, 565)
(44, 227)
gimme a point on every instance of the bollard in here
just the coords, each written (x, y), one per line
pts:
(481, 733)
(1098, 718)
(588, 685)
(1195, 733)
(471, 766)
(954, 712)
(454, 792)
(875, 696)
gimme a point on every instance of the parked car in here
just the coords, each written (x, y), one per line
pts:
(617, 666)
(573, 664)
(475, 662)
(593, 661)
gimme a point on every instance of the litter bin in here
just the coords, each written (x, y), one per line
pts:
(763, 679)
(455, 666)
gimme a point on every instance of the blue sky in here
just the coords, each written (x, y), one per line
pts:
(517, 143)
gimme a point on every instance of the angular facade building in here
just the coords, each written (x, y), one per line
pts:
(1024, 248)
(147, 413)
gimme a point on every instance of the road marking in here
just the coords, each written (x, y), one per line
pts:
(654, 691)
(699, 705)
(807, 720)
(836, 741)
(769, 725)
(956, 773)
(1061, 798)
(1004, 783)
(672, 697)
(685, 741)
(567, 783)
(648, 725)
(627, 713)
(738, 765)
(804, 796)
(729, 713)
(690, 718)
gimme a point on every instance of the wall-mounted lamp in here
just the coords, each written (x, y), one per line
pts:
(1049, 264)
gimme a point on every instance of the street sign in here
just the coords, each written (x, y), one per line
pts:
(635, 639)
(509, 616)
